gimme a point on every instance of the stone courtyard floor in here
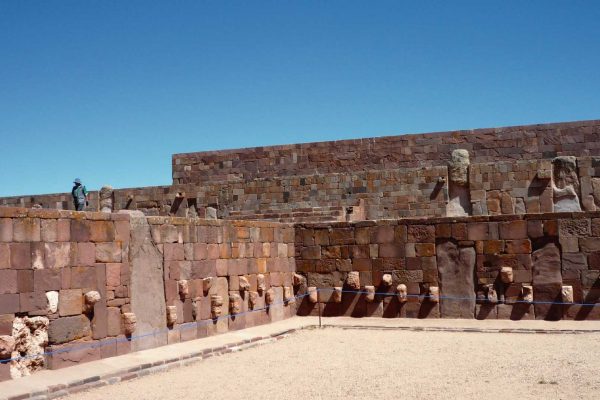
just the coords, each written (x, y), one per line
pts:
(358, 358)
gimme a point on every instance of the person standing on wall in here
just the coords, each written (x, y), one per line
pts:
(79, 193)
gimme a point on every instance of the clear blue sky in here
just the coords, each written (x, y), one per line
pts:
(108, 90)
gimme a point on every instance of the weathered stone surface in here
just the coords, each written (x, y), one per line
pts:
(260, 282)
(235, 303)
(434, 294)
(31, 338)
(565, 185)
(459, 202)
(547, 282)
(370, 293)
(288, 295)
(386, 280)
(456, 267)
(7, 346)
(402, 293)
(66, 329)
(353, 280)
(312, 294)
(216, 304)
(171, 315)
(146, 285)
(491, 295)
(252, 300)
(129, 322)
(567, 294)
(90, 299)
(244, 284)
(106, 198)
(183, 288)
(506, 275)
(270, 296)
(207, 284)
(71, 302)
(527, 293)
(336, 295)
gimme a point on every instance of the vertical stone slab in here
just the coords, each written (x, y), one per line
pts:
(456, 267)
(459, 200)
(547, 282)
(147, 285)
(565, 184)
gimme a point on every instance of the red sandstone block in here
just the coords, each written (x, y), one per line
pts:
(80, 230)
(551, 228)
(535, 229)
(225, 250)
(425, 249)
(478, 231)
(102, 231)
(200, 251)
(108, 252)
(26, 230)
(222, 267)
(391, 250)
(113, 274)
(421, 233)
(6, 230)
(83, 278)
(341, 236)
(213, 251)
(122, 231)
(513, 230)
(20, 255)
(47, 279)
(4, 255)
(85, 253)
(24, 281)
(70, 302)
(8, 281)
(522, 276)
(34, 303)
(382, 234)
(9, 303)
(57, 255)
(522, 246)
(173, 251)
(68, 355)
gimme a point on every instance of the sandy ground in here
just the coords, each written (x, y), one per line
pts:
(334, 363)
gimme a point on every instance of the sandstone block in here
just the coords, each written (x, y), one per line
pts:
(370, 293)
(513, 230)
(71, 302)
(129, 322)
(171, 315)
(57, 255)
(312, 294)
(7, 346)
(108, 252)
(90, 299)
(66, 329)
(20, 255)
(26, 230)
(434, 294)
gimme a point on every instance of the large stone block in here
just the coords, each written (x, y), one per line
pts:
(456, 267)
(26, 230)
(47, 279)
(8, 281)
(20, 255)
(9, 303)
(66, 329)
(4, 255)
(57, 255)
(69, 355)
(71, 302)
(108, 252)
(6, 230)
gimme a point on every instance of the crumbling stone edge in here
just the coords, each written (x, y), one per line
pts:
(60, 390)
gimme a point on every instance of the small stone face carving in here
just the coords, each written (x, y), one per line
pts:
(106, 198)
(491, 295)
(260, 282)
(270, 296)
(527, 293)
(288, 295)
(567, 294)
(216, 304)
(565, 184)
(171, 315)
(207, 284)
(7, 346)
(353, 280)
(386, 280)
(90, 298)
(458, 167)
(370, 295)
(129, 322)
(184, 288)
(244, 284)
(52, 298)
(235, 303)
(434, 294)
(402, 293)
(31, 337)
(506, 274)
(196, 307)
(299, 280)
(252, 300)
(313, 294)
(336, 296)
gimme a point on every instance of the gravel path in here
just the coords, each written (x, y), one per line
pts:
(334, 363)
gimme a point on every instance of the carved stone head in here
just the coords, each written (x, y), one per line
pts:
(353, 280)
(129, 322)
(402, 293)
(171, 315)
(458, 167)
(216, 304)
(235, 303)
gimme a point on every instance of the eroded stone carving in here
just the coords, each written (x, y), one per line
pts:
(386, 280)
(90, 298)
(260, 283)
(370, 293)
(336, 295)
(235, 303)
(353, 280)
(184, 288)
(565, 184)
(216, 305)
(402, 293)
(171, 315)
(527, 293)
(491, 295)
(506, 274)
(313, 294)
(207, 284)
(270, 296)
(244, 284)
(7, 346)
(434, 294)
(567, 294)
(252, 300)
(288, 295)
(31, 338)
(299, 280)
(52, 298)
(129, 322)
(106, 199)
(459, 203)
(196, 308)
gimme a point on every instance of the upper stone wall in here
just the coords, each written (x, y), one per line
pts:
(531, 142)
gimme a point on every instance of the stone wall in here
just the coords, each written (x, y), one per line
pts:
(85, 286)
(529, 142)
(470, 267)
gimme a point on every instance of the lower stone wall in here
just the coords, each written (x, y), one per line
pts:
(81, 286)
(508, 267)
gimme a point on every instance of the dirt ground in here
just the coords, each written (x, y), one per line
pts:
(334, 363)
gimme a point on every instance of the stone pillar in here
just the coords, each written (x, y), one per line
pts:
(106, 199)
(459, 198)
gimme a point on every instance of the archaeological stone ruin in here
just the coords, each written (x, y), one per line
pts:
(484, 224)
